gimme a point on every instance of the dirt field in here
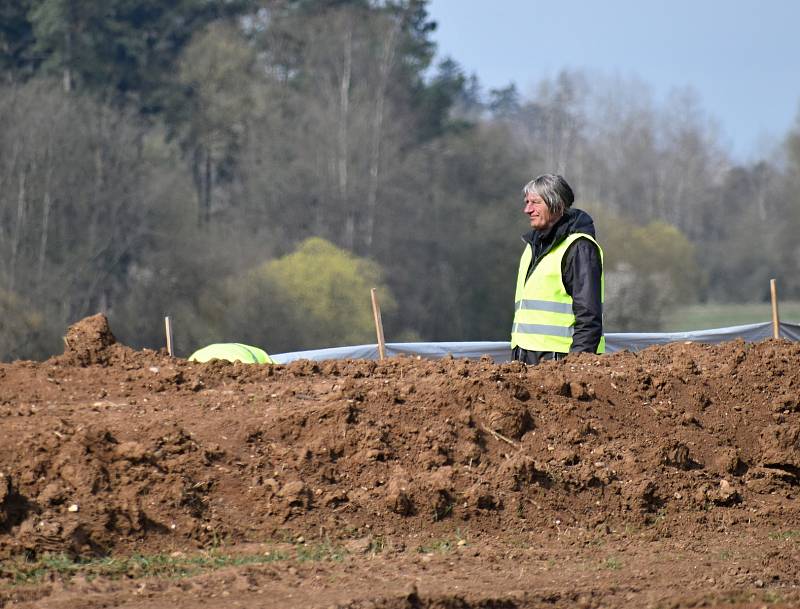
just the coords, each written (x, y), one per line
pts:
(662, 479)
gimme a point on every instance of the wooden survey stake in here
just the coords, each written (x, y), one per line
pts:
(376, 314)
(776, 323)
(168, 328)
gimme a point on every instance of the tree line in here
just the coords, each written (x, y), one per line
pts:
(253, 167)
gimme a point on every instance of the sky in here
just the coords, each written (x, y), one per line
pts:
(741, 57)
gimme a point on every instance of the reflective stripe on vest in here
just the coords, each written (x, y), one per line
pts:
(543, 316)
(543, 305)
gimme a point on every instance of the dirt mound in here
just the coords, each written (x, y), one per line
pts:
(110, 450)
(89, 341)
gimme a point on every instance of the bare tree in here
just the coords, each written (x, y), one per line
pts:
(81, 208)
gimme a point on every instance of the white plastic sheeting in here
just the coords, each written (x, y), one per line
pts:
(500, 351)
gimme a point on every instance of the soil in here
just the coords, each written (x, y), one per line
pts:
(663, 478)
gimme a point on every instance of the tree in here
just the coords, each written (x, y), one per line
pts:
(76, 204)
(450, 239)
(787, 243)
(23, 330)
(552, 124)
(339, 114)
(217, 71)
(647, 269)
(125, 50)
(504, 103)
(437, 100)
(17, 59)
(752, 211)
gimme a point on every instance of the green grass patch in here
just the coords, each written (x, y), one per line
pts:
(714, 315)
(165, 566)
(437, 546)
(444, 545)
(377, 545)
(772, 596)
(325, 551)
(17, 572)
(785, 535)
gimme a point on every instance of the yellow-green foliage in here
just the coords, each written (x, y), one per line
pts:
(662, 248)
(648, 270)
(322, 294)
(657, 249)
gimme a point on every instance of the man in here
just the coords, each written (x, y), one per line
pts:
(559, 297)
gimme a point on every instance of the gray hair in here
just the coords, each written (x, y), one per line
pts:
(554, 191)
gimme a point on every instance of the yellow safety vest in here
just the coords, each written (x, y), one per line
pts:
(543, 316)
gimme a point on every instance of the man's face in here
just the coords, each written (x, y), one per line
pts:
(538, 212)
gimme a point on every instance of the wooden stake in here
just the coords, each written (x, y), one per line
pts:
(499, 436)
(376, 314)
(168, 328)
(776, 324)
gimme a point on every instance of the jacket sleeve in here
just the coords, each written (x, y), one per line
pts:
(581, 272)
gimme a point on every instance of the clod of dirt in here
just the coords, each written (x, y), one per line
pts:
(520, 471)
(641, 496)
(5, 492)
(725, 494)
(53, 494)
(296, 498)
(88, 340)
(439, 495)
(786, 403)
(781, 449)
(398, 498)
(359, 546)
(580, 391)
(729, 462)
(677, 455)
(479, 496)
(512, 421)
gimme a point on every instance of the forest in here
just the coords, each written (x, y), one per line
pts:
(253, 167)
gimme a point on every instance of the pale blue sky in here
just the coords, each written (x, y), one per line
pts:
(742, 57)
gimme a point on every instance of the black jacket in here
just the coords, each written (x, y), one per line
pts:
(581, 271)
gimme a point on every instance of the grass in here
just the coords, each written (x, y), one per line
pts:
(785, 535)
(712, 315)
(165, 566)
(158, 565)
(438, 546)
(377, 545)
(772, 596)
(325, 551)
(444, 545)
(441, 512)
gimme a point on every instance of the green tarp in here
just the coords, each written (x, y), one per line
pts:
(233, 352)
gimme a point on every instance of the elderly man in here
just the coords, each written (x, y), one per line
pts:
(559, 297)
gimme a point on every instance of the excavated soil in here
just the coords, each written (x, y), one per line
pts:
(663, 478)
